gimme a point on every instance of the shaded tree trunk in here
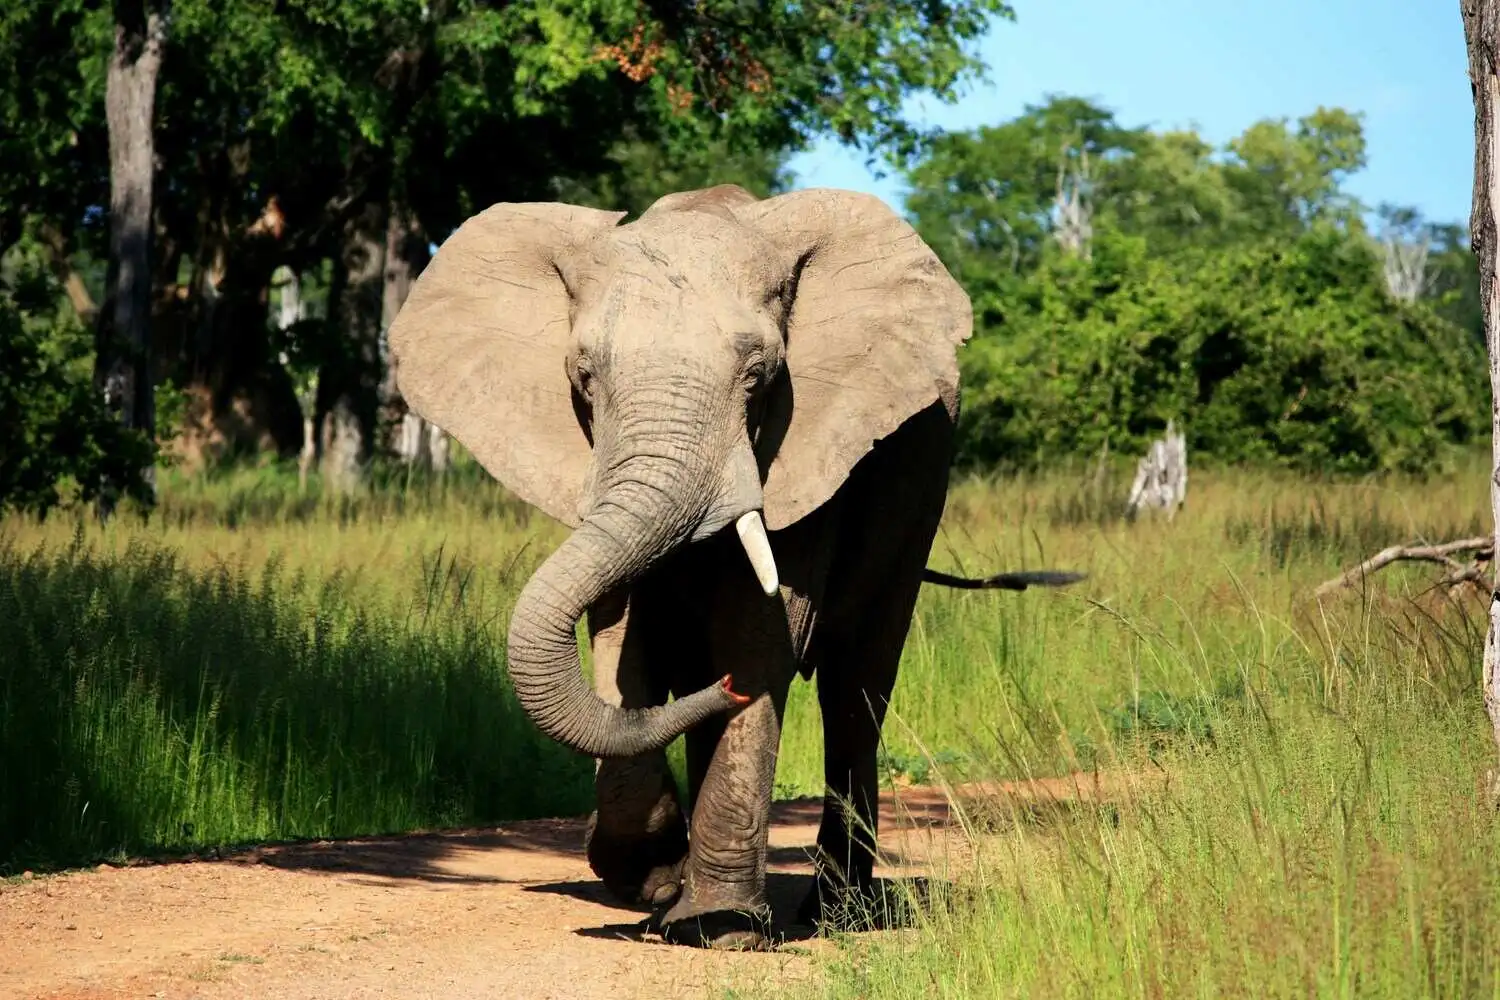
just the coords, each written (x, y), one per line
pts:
(1481, 20)
(291, 310)
(123, 342)
(416, 442)
(349, 381)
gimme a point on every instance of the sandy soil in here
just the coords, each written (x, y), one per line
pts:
(510, 912)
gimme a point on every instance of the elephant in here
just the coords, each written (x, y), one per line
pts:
(744, 409)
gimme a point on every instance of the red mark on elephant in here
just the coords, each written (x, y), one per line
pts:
(739, 699)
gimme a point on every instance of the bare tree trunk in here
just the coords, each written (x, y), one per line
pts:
(1073, 206)
(123, 345)
(349, 383)
(308, 453)
(1482, 32)
(437, 447)
(417, 443)
(292, 309)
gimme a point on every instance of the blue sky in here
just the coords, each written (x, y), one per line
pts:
(1220, 66)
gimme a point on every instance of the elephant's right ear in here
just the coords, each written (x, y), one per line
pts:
(479, 348)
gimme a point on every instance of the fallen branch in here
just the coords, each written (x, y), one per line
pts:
(1481, 549)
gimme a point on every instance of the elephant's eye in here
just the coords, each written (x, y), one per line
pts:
(583, 377)
(781, 293)
(755, 375)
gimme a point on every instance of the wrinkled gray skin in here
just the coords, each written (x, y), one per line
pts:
(850, 575)
(675, 344)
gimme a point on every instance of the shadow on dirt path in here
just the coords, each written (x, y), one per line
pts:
(508, 912)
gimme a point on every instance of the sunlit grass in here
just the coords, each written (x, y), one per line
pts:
(256, 662)
(1298, 805)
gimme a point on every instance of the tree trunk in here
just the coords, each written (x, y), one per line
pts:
(1481, 20)
(417, 443)
(349, 383)
(123, 346)
(292, 309)
(437, 447)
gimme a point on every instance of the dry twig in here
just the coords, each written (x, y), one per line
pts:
(1481, 549)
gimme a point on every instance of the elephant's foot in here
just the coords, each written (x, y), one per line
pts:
(733, 928)
(643, 869)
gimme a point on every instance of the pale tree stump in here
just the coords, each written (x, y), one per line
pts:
(1161, 477)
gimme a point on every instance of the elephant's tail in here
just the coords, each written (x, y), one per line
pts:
(1005, 581)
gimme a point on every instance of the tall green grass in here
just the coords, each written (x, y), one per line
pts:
(257, 662)
(181, 684)
(1300, 810)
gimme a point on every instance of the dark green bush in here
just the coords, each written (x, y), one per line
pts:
(54, 427)
(1289, 354)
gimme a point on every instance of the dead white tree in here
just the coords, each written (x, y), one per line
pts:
(291, 309)
(1161, 477)
(1073, 210)
(1481, 19)
(1012, 245)
(1405, 265)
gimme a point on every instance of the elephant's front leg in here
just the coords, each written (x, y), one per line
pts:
(637, 836)
(732, 766)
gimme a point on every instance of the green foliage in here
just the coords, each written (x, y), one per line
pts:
(1236, 293)
(286, 131)
(984, 199)
(52, 142)
(1287, 354)
(644, 172)
(1288, 176)
(58, 435)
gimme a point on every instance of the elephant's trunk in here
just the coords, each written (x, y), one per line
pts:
(651, 504)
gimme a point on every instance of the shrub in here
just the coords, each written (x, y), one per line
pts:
(56, 429)
(1289, 354)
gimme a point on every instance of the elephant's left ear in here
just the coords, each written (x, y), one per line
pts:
(871, 339)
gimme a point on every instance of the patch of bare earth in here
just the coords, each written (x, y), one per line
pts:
(510, 912)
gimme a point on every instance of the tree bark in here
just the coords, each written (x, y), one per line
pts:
(349, 382)
(417, 443)
(123, 342)
(1481, 19)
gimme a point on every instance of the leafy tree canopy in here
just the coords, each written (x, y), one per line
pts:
(288, 131)
(1238, 291)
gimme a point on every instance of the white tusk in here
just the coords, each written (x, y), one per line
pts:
(758, 547)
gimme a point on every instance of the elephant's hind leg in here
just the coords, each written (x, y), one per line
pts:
(637, 836)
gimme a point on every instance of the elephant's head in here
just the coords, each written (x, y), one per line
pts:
(717, 360)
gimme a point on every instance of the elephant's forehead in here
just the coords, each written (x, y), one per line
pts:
(690, 246)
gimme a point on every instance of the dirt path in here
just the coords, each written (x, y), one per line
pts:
(511, 912)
